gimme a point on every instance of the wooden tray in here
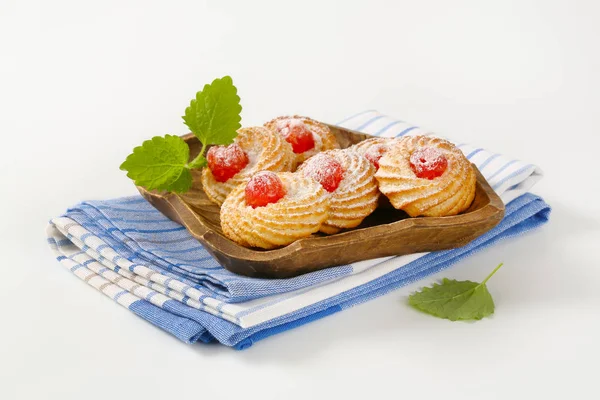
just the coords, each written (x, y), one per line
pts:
(386, 232)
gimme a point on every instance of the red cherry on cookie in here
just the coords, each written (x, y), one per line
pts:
(325, 170)
(226, 161)
(298, 135)
(428, 162)
(264, 188)
(374, 153)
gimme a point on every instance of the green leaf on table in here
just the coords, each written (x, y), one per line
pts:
(160, 163)
(214, 115)
(455, 300)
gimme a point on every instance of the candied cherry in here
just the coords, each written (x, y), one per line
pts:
(264, 188)
(374, 153)
(296, 133)
(325, 170)
(428, 162)
(226, 161)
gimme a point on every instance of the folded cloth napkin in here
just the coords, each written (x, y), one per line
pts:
(132, 253)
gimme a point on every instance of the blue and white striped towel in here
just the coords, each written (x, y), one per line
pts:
(132, 253)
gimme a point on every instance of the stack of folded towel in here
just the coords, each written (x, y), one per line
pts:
(142, 260)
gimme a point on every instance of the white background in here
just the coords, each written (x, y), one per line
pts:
(83, 82)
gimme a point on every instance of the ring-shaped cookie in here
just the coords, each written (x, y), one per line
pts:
(448, 194)
(356, 196)
(323, 138)
(298, 214)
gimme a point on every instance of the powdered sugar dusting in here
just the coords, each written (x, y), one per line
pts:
(375, 152)
(324, 169)
(228, 156)
(263, 188)
(299, 135)
(264, 179)
(428, 162)
(226, 161)
(284, 126)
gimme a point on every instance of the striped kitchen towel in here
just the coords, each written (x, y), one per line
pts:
(132, 253)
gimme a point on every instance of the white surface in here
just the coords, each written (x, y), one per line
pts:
(517, 77)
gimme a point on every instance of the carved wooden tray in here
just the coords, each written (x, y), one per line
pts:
(386, 232)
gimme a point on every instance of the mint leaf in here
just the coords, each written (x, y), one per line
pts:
(455, 300)
(160, 163)
(198, 162)
(214, 115)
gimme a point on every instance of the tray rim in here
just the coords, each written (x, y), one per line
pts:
(183, 214)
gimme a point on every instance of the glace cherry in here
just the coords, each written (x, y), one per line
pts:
(428, 163)
(325, 170)
(226, 161)
(298, 135)
(374, 153)
(264, 188)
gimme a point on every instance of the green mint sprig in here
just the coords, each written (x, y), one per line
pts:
(456, 300)
(162, 163)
